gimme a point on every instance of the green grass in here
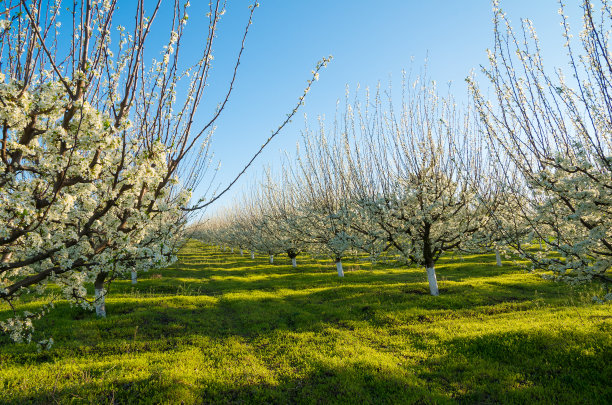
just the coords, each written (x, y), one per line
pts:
(219, 328)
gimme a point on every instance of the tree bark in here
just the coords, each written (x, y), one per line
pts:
(339, 268)
(134, 277)
(241, 252)
(252, 255)
(498, 257)
(271, 259)
(6, 257)
(433, 281)
(428, 256)
(100, 295)
(293, 262)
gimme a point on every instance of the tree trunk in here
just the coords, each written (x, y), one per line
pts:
(252, 255)
(134, 277)
(428, 255)
(100, 295)
(339, 268)
(498, 257)
(6, 257)
(271, 259)
(293, 262)
(433, 282)
(241, 252)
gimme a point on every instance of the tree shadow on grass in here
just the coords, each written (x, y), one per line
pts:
(323, 384)
(513, 367)
(255, 314)
(529, 367)
(229, 302)
(307, 303)
(215, 280)
(564, 367)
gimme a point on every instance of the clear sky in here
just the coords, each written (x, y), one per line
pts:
(371, 41)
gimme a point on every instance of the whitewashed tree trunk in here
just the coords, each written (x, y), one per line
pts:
(100, 302)
(271, 259)
(293, 262)
(134, 277)
(540, 241)
(252, 255)
(232, 250)
(6, 257)
(498, 257)
(339, 268)
(241, 252)
(433, 282)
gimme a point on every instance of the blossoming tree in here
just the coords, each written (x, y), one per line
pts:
(416, 174)
(99, 151)
(557, 133)
(320, 191)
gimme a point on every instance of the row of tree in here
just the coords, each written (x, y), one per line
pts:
(410, 182)
(423, 177)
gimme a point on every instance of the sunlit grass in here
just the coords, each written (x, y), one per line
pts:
(217, 327)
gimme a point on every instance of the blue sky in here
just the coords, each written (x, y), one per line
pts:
(371, 41)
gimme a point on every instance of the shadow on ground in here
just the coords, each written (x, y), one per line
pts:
(219, 328)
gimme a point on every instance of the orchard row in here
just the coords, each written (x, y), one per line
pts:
(423, 177)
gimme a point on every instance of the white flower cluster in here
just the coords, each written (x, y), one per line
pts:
(78, 198)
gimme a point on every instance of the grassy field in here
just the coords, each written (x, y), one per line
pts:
(220, 328)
